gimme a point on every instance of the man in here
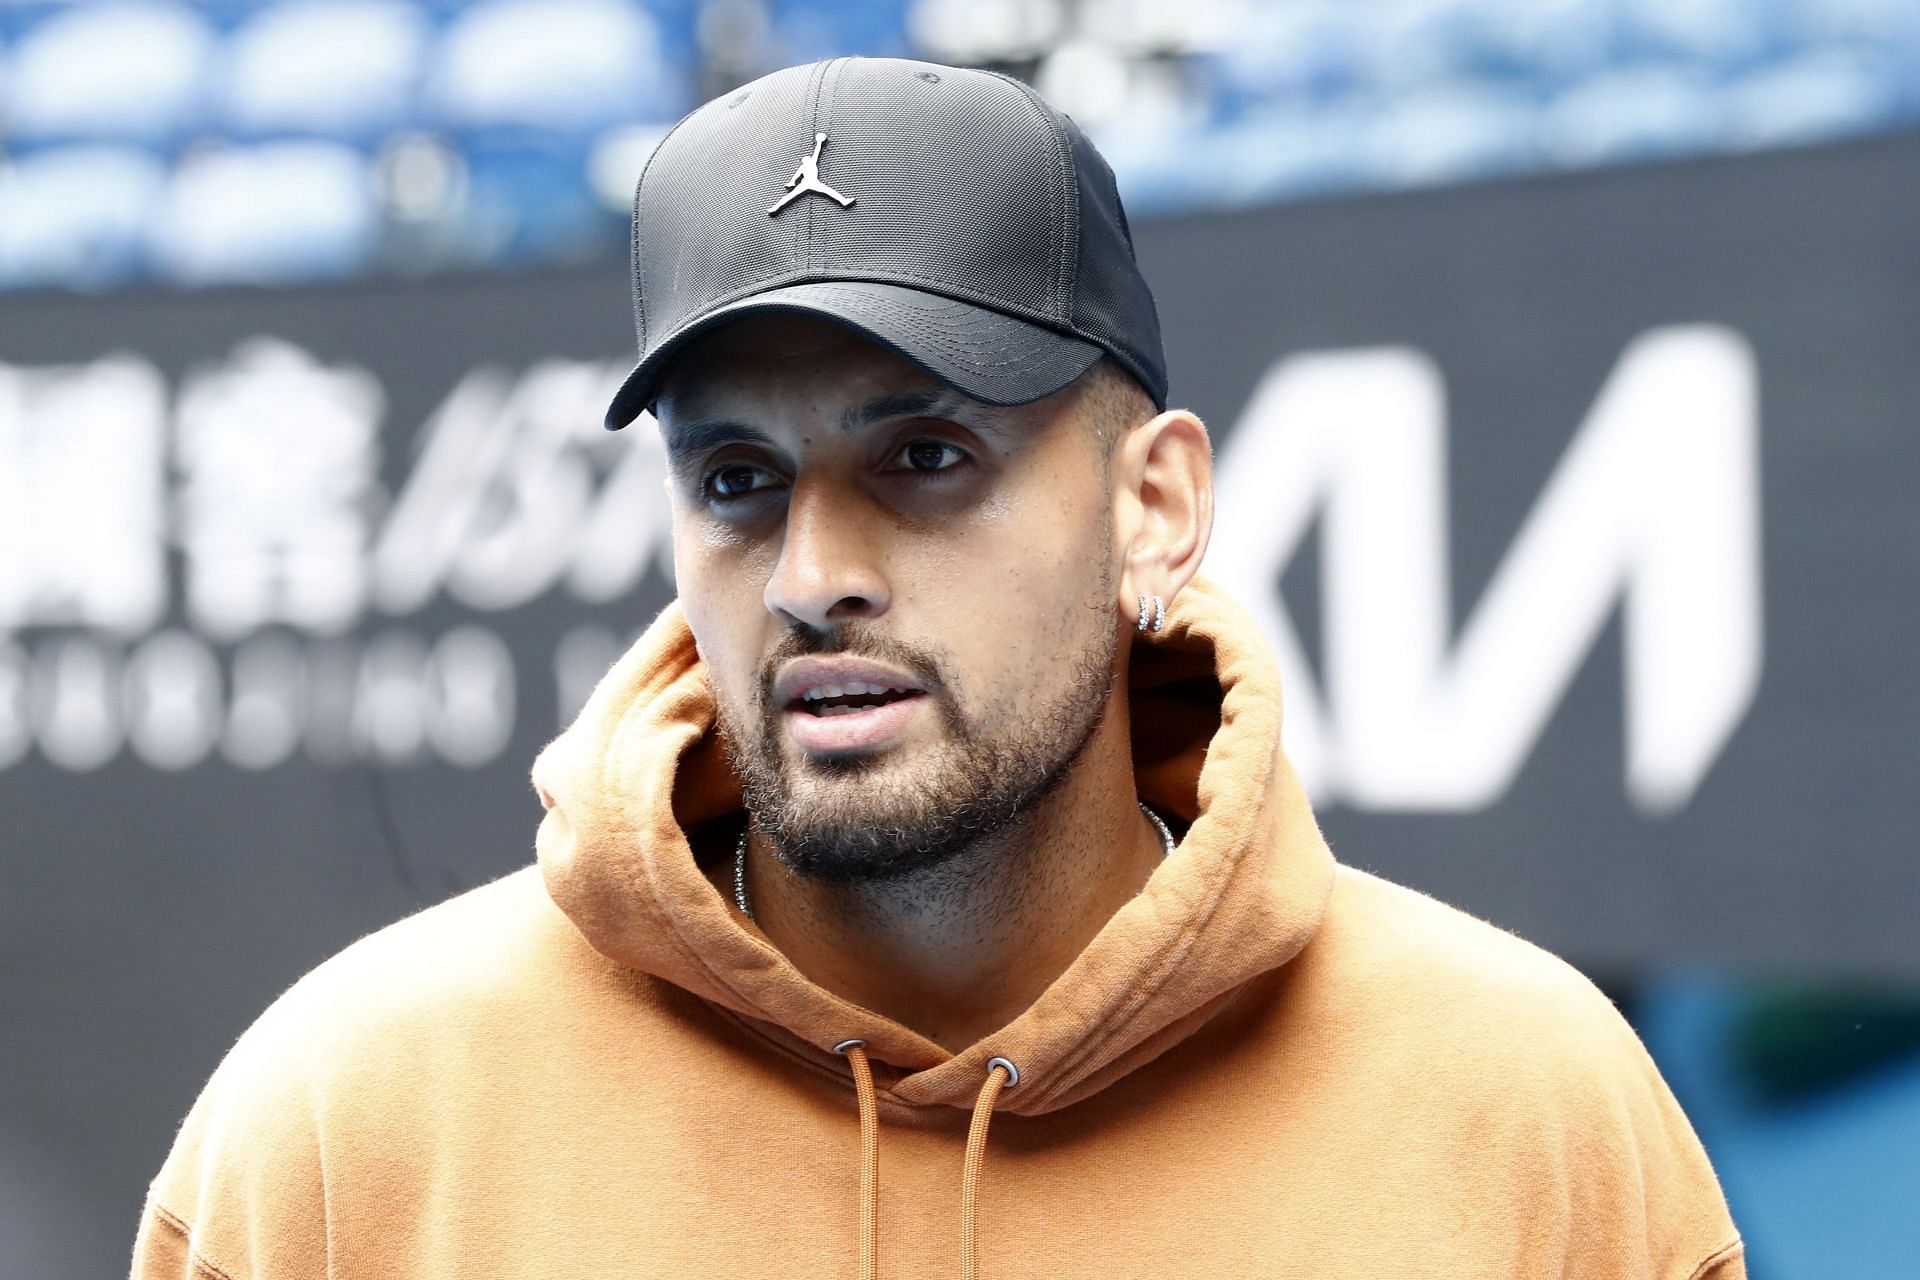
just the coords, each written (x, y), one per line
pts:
(926, 890)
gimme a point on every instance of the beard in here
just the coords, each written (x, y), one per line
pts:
(870, 818)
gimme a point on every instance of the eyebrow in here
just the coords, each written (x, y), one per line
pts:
(907, 404)
(685, 442)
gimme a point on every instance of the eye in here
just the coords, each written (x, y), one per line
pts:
(733, 480)
(928, 455)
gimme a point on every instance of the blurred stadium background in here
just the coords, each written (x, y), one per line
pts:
(252, 142)
(309, 537)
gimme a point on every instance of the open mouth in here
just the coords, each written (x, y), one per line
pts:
(837, 701)
(837, 708)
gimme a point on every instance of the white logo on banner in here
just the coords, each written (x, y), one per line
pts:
(1655, 505)
(263, 474)
(277, 456)
(518, 489)
(82, 483)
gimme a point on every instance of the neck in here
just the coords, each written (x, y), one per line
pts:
(960, 950)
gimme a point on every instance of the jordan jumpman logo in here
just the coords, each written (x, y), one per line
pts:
(807, 178)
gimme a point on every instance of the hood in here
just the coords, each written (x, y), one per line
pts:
(1243, 892)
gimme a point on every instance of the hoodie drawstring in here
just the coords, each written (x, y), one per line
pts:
(855, 1052)
(1001, 1074)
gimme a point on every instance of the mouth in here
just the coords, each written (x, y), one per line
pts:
(848, 699)
(855, 717)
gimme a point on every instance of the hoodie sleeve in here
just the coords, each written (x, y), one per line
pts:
(1726, 1263)
(242, 1193)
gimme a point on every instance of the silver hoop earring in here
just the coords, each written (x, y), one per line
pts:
(1153, 617)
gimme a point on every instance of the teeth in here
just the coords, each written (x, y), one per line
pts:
(854, 688)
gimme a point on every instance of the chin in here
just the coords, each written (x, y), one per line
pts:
(854, 791)
(841, 829)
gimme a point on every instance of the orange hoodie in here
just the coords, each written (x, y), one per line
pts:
(1266, 1064)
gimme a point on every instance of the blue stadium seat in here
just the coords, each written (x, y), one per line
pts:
(553, 64)
(1292, 57)
(1416, 45)
(269, 214)
(531, 199)
(331, 68)
(1646, 112)
(1891, 25)
(1724, 35)
(1819, 95)
(133, 69)
(808, 30)
(77, 216)
(1547, 45)
(1286, 155)
(1456, 131)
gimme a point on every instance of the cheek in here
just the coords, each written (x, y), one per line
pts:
(718, 571)
(1015, 598)
(725, 612)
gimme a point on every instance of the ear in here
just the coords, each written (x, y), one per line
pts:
(1163, 505)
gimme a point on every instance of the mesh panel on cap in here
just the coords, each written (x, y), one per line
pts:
(1111, 305)
(972, 201)
(718, 159)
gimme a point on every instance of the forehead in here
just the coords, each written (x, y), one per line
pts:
(782, 357)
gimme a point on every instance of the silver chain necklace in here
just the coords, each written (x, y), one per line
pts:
(740, 859)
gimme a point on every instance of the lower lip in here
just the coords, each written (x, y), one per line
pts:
(853, 730)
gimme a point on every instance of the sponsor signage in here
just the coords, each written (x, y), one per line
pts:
(1578, 512)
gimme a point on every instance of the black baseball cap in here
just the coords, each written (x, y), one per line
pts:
(946, 213)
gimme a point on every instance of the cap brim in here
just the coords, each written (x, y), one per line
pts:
(992, 357)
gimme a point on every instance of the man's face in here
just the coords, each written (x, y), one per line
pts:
(833, 504)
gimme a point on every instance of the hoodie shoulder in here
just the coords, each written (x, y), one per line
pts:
(1520, 1058)
(475, 946)
(361, 1050)
(1478, 998)
(473, 972)
(1443, 952)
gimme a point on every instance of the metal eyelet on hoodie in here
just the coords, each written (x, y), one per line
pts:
(1001, 1074)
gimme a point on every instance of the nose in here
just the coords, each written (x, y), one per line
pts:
(828, 571)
